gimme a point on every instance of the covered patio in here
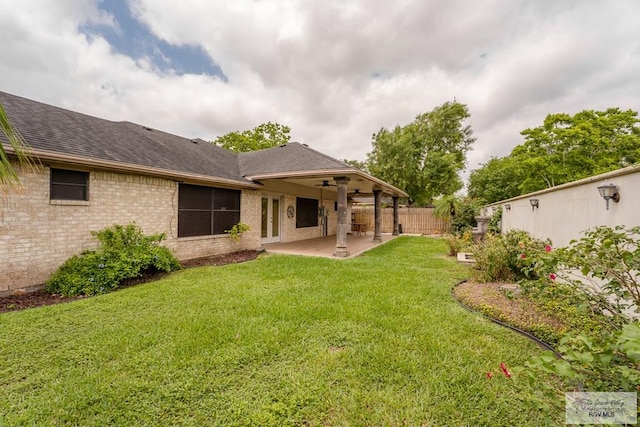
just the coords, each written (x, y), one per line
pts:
(315, 192)
(326, 246)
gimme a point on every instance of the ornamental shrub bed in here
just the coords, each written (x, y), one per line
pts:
(124, 253)
(593, 286)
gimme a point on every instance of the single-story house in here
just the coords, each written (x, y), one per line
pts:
(97, 173)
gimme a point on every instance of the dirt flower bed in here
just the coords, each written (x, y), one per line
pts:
(40, 298)
(514, 309)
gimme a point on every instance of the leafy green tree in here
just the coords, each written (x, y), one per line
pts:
(356, 164)
(425, 156)
(8, 175)
(465, 218)
(263, 136)
(566, 148)
(496, 180)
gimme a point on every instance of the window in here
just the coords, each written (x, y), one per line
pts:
(205, 211)
(69, 185)
(306, 212)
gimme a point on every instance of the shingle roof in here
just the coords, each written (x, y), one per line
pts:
(292, 157)
(55, 129)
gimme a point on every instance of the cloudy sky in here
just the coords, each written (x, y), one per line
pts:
(335, 71)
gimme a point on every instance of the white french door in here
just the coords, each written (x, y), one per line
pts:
(270, 230)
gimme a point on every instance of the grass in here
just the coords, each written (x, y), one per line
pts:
(281, 340)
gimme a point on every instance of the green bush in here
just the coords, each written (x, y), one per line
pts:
(605, 265)
(124, 253)
(513, 256)
(600, 274)
(458, 243)
(491, 261)
(236, 231)
(609, 364)
(465, 217)
(495, 223)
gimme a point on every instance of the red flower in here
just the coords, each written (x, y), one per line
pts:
(523, 256)
(552, 276)
(505, 370)
(547, 248)
(490, 375)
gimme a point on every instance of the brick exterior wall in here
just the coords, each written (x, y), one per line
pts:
(291, 234)
(38, 234)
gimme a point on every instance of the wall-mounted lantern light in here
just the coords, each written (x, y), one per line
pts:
(535, 203)
(507, 207)
(609, 192)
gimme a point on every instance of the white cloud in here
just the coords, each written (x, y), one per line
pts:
(335, 72)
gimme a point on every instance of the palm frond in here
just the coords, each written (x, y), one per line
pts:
(19, 147)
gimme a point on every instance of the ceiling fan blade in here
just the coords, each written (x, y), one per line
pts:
(325, 184)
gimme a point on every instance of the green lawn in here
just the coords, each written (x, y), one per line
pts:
(282, 340)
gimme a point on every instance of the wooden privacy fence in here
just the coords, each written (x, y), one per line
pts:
(413, 220)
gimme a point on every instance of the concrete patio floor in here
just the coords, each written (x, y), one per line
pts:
(325, 246)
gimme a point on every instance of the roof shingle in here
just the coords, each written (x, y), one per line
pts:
(292, 157)
(55, 129)
(59, 131)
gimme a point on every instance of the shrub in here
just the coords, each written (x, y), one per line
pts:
(495, 223)
(605, 266)
(445, 208)
(236, 231)
(124, 253)
(513, 256)
(600, 273)
(458, 243)
(465, 217)
(491, 260)
(609, 364)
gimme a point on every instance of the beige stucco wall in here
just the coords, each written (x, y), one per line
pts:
(565, 211)
(37, 235)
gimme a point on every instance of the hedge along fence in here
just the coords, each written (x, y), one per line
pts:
(413, 220)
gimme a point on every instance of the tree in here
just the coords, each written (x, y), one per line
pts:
(496, 180)
(8, 175)
(356, 164)
(425, 156)
(446, 207)
(263, 136)
(564, 149)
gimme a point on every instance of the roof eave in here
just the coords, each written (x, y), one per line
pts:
(51, 156)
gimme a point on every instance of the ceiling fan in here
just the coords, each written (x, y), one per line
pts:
(325, 184)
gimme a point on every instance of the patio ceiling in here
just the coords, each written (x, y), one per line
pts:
(359, 182)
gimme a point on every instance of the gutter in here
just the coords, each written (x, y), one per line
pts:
(80, 161)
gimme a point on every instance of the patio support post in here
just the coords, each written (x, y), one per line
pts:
(341, 234)
(396, 227)
(377, 235)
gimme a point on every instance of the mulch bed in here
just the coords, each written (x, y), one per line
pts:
(40, 298)
(517, 310)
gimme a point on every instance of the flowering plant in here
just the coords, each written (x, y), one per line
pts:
(601, 273)
(513, 256)
(504, 370)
